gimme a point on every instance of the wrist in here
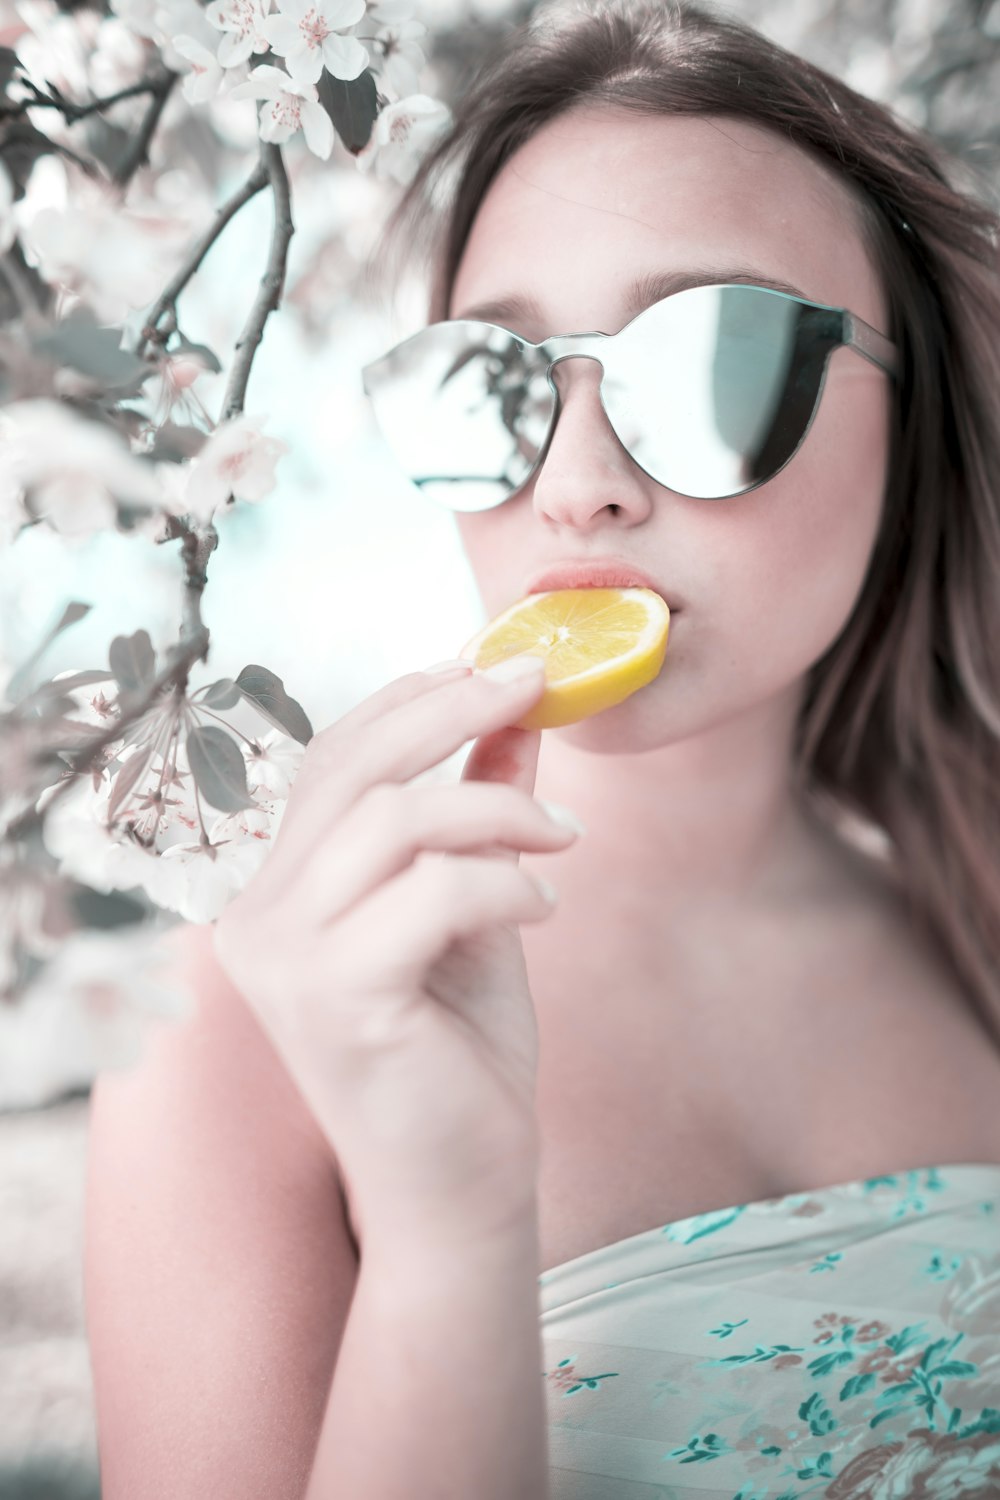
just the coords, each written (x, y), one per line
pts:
(452, 1231)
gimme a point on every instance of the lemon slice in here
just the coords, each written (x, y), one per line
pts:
(599, 647)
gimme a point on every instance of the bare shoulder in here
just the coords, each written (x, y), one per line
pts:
(214, 1080)
(224, 1031)
(902, 1001)
(216, 1241)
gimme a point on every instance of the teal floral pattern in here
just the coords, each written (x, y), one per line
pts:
(842, 1343)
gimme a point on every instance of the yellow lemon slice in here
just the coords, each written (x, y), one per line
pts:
(599, 647)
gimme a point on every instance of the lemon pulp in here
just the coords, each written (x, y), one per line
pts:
(599, 645)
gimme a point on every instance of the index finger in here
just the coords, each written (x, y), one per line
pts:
(417, 730)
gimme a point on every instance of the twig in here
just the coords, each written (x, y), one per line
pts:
(197, 547)
(271, 283)
(133, 158)
(72, 112)
(168, 297)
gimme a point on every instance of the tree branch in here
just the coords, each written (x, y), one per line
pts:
(136, 154)
(166, 303)
(271, 283)
(72, 112)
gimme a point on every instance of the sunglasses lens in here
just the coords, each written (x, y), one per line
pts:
(462, 411)
(712, 390)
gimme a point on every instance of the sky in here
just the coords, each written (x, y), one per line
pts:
(344, 577)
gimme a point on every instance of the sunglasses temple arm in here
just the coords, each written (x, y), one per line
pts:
(872, 344)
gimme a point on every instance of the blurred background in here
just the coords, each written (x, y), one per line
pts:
(341, 579)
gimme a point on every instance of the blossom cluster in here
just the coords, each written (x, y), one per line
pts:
(106, 216)
(215, 48)
(69, 472)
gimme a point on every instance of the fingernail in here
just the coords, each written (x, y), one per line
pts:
(513, 668)
(548, 891)
(562, 816)
(451, 666)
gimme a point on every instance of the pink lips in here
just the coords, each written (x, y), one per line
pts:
(606, 573)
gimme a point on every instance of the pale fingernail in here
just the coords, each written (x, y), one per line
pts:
(562, 816)
(548, 891)
(451, 666)
(513, 668)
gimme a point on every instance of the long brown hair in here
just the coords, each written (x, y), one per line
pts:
(900, 725)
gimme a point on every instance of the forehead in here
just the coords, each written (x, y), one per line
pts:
(600, 197)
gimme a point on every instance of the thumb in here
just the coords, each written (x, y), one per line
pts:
(509, 754)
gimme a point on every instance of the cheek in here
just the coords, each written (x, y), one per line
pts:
(795, 553)
(498, 551)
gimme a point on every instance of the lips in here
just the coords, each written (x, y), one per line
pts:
(597, 574)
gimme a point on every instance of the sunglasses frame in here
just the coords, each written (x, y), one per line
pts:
(854, 333)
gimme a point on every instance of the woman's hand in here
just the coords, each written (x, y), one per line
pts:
(378, 946)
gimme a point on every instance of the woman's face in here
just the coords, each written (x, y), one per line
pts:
(767, 579)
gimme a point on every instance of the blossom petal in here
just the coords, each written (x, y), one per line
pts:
(275, 127)
(343, 13)
(401, 74)
(264, 82)
(317, 128)
(305, 64)
(282, 33)
(234, 49)
(344, 56)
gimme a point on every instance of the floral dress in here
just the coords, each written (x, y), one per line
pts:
(842, 1343)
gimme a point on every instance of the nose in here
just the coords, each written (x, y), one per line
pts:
(586, 474)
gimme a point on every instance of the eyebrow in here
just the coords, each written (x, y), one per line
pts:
(642, 292)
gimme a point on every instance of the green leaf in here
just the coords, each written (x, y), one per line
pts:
(19, 682)
(351, 105)
(106, 908)
(173, 443)
(81, 342)
(267, 693)
(203, 352)
(133, 662)
(218, 768)
(222, 694)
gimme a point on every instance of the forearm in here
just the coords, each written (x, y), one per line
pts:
(437, 1392)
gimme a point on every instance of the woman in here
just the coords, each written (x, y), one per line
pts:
(762, 1015)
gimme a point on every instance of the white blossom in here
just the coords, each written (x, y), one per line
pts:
(400, 58)
(199, 881)
(237, 460)
(164, 21)
(56, 48)
(305, 34)
(204, 75)
(117, 60)
(273, 768)
(89, 1008)
(76, 832)
(242, 24)
(290, 106)
(170, 393)
(69, 469)
(115, 256)
(138, 15)
(402, 133)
